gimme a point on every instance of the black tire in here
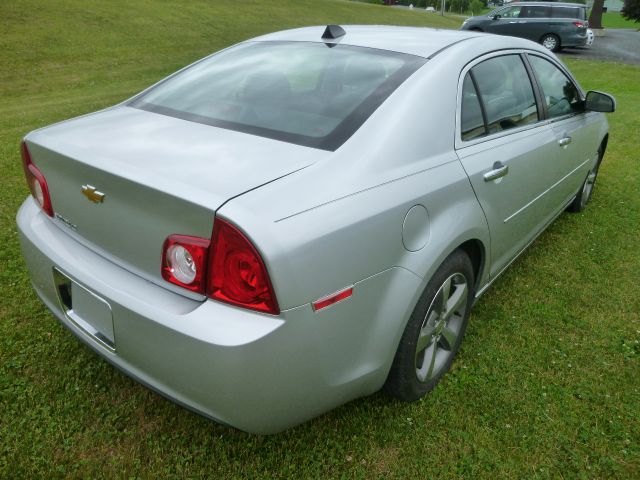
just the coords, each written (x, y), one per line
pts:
(551, 42)
(404, 382)
(586, 190)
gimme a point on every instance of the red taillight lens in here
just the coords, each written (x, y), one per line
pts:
(237, 274)
(579, 24)
(227, 268)
(184, 261)
(36, 181)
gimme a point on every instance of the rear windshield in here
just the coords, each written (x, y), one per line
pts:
(299, 92)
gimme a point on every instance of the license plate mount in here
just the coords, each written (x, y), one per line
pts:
(87, 310)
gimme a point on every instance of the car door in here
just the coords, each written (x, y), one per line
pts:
(506, 22)
(534, 21)
(575, 130)
(507, 152)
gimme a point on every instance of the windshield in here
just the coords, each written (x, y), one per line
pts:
(299, 92)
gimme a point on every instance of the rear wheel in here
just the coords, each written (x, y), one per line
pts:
(550, 42)
(435, 330)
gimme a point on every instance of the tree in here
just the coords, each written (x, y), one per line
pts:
(595, 19)
(631, 10)
(458, 6)
(476, 6)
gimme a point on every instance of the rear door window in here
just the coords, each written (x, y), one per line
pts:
(534, 11)
(506, 93)
(567, 12)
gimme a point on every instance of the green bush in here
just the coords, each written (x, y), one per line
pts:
(476, 6)
(631, 10)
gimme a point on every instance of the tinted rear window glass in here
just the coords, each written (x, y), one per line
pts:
(568, 12)
(506, 93)
(298, 92)
(472, 122)
(534, 11)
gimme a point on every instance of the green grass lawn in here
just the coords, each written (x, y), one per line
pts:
(615, 20)
(547, 384)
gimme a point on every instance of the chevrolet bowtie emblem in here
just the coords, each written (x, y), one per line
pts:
(92, 194)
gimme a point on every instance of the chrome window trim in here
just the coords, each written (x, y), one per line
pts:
(522, 132)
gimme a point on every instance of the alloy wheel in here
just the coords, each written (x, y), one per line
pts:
(550, 42)
(441, 327)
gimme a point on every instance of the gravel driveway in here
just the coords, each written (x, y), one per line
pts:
(618, 45)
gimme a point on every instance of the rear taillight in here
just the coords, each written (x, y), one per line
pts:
(184, 261)
(36, 181)
(579, 24)
(227, 268)
(237, 274)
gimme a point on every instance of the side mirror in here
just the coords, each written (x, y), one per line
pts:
(495, 17)
(599, 102)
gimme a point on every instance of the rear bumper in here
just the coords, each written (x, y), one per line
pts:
(574, 39)
(256, 372)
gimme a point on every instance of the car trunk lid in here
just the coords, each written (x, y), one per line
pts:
(159, 176)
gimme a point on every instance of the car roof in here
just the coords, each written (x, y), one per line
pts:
(420, 41)
(546, 4)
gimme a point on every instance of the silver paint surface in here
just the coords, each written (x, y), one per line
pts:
(321, 220)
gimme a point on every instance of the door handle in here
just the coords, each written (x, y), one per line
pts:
(564, 141)
(499, 170)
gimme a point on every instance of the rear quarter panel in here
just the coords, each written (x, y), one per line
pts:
(341, 220)
(339, 223)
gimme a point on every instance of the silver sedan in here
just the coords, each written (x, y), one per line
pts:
(306, 217)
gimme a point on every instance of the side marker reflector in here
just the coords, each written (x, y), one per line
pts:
(331, 299)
